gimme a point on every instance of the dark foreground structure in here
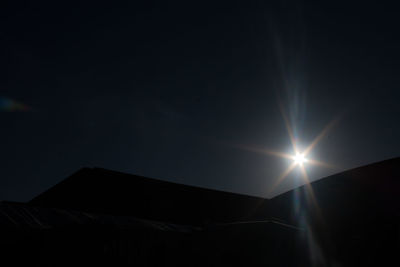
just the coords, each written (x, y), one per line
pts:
(100, 217)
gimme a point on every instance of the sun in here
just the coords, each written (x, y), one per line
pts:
(299, 159)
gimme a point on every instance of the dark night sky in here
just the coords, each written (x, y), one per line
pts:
(170, 90)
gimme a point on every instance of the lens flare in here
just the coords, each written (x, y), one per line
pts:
(10, 105)
(299, 157)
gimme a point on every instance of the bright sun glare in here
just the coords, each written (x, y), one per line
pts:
(299, 159)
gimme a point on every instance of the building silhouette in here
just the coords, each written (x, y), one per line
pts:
(102, 217)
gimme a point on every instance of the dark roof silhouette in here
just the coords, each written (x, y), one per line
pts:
(38, 236)
(20, 215)
(370, 188)
(109, 192)
(353, 219)
(354, 215)
(359, 192)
